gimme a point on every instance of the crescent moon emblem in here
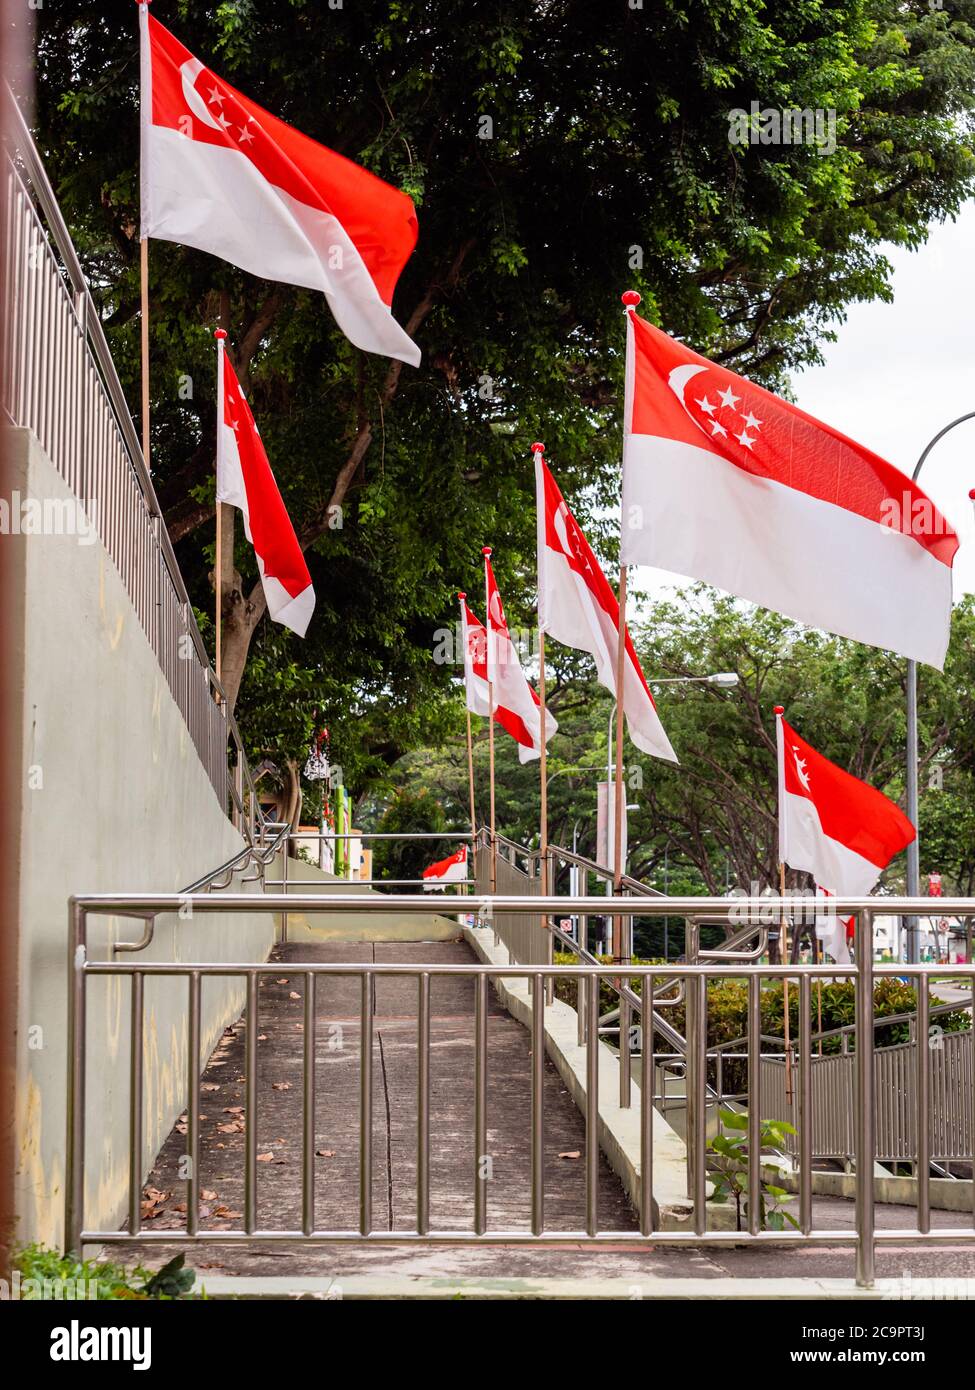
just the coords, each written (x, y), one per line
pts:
(497, 612)
(678, 381)
(188, 73)
(558, 522)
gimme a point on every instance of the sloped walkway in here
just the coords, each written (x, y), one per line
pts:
(452, 1165)
(506, 1267)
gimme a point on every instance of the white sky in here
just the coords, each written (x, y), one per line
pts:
(899, 372)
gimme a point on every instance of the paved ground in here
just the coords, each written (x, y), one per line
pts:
(280, 1043)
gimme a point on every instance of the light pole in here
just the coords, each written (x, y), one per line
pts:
(913, 849)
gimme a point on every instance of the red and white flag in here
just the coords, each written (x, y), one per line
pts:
(512, 697)
(245, 480)
(831, 824)
(220, 173)
(725, 482)
(578, 607)
(474, 644)
(450, 870)
(517, 706)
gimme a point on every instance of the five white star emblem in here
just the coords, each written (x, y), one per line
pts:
(728, 398)
(245, 137)
(707, 406)
(215, 95)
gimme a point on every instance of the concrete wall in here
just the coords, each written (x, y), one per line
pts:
(115, 799)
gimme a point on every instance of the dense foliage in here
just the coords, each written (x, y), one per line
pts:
(557, 152)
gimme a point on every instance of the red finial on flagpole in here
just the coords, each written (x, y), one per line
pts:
(538, 448)
(486, 550)
(971, 493)
(220, 333)
(630, 298)
(461, 594)
(779, 709)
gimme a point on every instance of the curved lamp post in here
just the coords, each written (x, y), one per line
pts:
(913, 849)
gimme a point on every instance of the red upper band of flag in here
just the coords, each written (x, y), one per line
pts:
(245, 480)
(578, 607)
(220, 173)
(839, 829)
(726, 482)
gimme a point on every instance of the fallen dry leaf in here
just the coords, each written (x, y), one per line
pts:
(293, 994)
(208, 1195)
(265, 1158)
(324, 1153)
(225, 1213)
(262, 1037)
(572, 1153)
(209, 1086)
(280, 1085)
(282, 982)
(233, 1110)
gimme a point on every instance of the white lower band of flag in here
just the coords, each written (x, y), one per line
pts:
(691, 512)
(192, 189)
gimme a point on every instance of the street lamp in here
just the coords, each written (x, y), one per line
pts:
(913, 849)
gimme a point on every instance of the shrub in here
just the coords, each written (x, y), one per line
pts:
(728, 1013)
(46, 1274)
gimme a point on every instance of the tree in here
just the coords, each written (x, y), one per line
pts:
(710, 822)
(557, 153)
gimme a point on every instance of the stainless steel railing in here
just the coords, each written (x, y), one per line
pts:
(864, 1236)
(527, 938)
(60, 382)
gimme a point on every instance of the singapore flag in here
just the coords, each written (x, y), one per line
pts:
(725, 482)
(220, 173)
(832, 825)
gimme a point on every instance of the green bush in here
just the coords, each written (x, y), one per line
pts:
(46, 1274)
(728, 1012)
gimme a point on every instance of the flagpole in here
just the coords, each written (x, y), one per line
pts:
(486, 552)
(537, 451)
(619, 799)
(470, 741)
(630, 299)
(783, 920)
(144, 296)
(220, 334)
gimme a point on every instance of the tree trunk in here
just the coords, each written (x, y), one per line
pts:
(293, 810)
(240, 619)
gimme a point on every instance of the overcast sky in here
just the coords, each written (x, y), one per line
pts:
(899, 372)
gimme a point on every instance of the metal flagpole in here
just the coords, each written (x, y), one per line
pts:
(783, 920)
(220, 334)
(537, 451)
(619, 950)
(630, 300)
(144, 278)
(470, 742)
(486, 552)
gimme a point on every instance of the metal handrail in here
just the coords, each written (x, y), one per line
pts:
(27, 170)
(864, 1238)
(260, 854)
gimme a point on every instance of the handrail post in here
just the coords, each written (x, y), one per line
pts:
(866, 1126)
(74, 1185)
